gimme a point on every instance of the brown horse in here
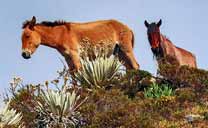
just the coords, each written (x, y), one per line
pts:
(161, 46)
(68, 38)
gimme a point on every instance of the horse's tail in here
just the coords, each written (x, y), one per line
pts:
(116, 49)
(132, 40)
(195, 63)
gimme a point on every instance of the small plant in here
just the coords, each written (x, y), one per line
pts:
(157, 91)
(144, 74)
(99, 72)
(10, 118)
(58, 109)
(22, 98)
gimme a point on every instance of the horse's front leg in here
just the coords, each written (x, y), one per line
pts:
(74, 64)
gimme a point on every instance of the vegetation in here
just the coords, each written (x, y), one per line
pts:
(58, 109)
(9, 118)
(99, 72)
(183, 76)
(158, 91)
(107, 97)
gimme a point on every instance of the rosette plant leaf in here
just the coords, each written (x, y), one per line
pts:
(98, 72)
(59, 109)
(10, 118)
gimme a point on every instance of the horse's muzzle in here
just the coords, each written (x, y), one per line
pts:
(157, 52)
(26, 55)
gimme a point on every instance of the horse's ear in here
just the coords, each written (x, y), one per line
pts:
(32, 23)
(159, 23)
(146, 23)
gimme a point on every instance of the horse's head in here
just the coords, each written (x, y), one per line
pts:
(30, 38)
(153, 32)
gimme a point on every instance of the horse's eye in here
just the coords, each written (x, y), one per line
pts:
(27, 36)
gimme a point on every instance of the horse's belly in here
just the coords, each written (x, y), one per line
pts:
(92, 48)
(97, 40)
(187, 59)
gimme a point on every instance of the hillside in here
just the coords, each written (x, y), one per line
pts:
(105, 96)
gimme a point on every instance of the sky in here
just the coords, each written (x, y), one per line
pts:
(185, 23)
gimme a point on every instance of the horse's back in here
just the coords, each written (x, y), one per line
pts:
(183, 56)
(188, 58)
(99, 31)
(97, 24)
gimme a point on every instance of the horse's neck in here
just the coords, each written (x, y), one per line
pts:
(167, 46)
(49, 36)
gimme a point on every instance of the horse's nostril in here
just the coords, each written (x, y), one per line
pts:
(26, 55)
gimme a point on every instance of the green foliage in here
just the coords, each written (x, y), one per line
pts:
(10, 118)
(144, 74)
(157, 91)
(130, 82)
(99, 72)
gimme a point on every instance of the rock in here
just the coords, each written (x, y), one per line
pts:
(147, 81)
(191, 117)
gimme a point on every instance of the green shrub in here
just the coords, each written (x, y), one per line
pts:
(130, 82)
(110, 109)
(182, 76)
(157, 91)
(23, 99)
(144, 74)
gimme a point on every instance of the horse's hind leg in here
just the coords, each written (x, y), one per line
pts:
(126, 50)
(129, 60)
(127, 57)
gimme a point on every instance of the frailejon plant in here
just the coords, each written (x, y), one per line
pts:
(10, 118)
(157, 91)
(98, 72)
(58, 109)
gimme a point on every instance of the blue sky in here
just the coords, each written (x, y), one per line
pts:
(184, 22)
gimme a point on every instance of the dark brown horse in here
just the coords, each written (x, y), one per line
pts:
(69, 38)
(161, 46)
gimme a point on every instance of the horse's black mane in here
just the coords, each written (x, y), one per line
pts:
(25, 24)
(52, 24)
(45, 23)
